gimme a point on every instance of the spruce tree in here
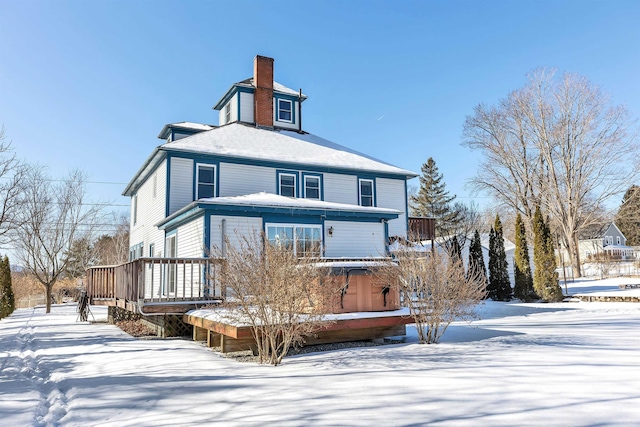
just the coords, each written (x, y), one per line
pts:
(456, 250)
(434, 201)
(523, 288)
(476, 258)
(499, 288)
(628, 216)
(545, 276)
(7, 302)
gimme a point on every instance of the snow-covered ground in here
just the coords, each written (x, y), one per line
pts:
(521, 364)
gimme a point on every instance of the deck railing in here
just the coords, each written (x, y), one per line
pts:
(156, 280)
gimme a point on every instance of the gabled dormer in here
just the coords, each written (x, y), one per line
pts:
(175, 131)
(261, 101)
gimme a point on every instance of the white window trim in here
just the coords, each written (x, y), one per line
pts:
(619, 240)
(319, 186)
(278, 224)
(215, 177)
(134, 208)
(373, 197)
(278, 100)
(155, 185)
(295, 183)
(170, 270)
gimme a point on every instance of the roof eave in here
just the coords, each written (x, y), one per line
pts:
(129, 189)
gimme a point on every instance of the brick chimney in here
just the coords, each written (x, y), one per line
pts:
(263, 98)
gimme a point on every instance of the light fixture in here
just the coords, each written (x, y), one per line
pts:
(330, 231)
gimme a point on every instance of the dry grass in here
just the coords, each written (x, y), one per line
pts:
(135, 328)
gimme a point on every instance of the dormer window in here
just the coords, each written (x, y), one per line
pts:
(227, 112)
(284, 110)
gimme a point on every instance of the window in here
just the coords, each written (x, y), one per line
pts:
(617, 240)
(227, 112)
(135, 209)
(287, 185)
(206, 181)
(135, 252)
(170, 251)
(366, 192)
(284, 110)
(151, 249)
(312, 187)
(304, 240)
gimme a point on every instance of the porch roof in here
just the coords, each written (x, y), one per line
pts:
(266, 203)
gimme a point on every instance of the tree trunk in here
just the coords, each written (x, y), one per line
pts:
(577, 254)
(49, 288)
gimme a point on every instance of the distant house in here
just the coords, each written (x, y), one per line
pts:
(610, 241)
(509, 249)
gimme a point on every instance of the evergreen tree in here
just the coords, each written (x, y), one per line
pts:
(7, 302)
(545, 277)
(434, 201)
(456, 250)
(476, 258)
(523, 288)
(499, 287)
(628, 216)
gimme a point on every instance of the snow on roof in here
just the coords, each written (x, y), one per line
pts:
(192, 125)
(184, 125)
(276, 86)
(248, 142)
(274, 200)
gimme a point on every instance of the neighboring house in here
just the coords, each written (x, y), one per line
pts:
(611, 241)
(509, 249)
(259, 171)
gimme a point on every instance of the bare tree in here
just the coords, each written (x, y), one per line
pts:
(54, 215)
(12, 172)
(281, 297)
(436, 290)
(557, 144)
(113, 249)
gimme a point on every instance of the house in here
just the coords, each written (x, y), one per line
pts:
(509, 249)
(206, 186)
(609, 241)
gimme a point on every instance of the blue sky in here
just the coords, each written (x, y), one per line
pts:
(89, 84)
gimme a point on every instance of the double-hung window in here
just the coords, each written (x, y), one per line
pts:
(366, 192)
(303, 240)
(312, 187)
(206, 179)
(287, 184)
(284, 110)
(227, 112)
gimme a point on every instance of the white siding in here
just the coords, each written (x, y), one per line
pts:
(340, 188)
(246, 107)
(181, 185)
(234, 107)
(238, 180)
(190, 239)
(234, 111)
(150, 211)
(234, 227)
(390, 193)
(354, 239)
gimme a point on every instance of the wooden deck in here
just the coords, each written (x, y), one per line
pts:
(156, 285)
(239, 338)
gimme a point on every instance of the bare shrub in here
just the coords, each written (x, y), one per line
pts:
(435, 289)
(280, 296)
